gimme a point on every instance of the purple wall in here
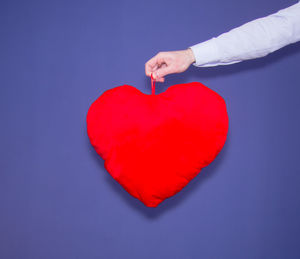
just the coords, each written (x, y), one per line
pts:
(56, 198)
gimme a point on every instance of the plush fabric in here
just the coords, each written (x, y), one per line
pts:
(154, 145)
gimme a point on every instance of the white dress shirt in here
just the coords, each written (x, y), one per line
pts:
(252, 40)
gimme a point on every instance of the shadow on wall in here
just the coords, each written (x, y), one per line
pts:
(171, 202)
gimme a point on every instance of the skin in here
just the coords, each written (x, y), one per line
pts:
(169, 62)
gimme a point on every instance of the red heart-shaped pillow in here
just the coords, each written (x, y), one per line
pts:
(153, 145)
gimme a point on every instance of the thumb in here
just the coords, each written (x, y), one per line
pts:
(161, 72)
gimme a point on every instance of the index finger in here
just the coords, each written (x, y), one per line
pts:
(151, 66)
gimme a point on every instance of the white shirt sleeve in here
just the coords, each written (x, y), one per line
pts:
(252, 40)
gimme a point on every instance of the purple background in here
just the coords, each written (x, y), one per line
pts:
(56, 198)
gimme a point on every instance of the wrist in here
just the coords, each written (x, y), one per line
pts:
(190, 55)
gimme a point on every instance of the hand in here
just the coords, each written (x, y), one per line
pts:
(170, 62)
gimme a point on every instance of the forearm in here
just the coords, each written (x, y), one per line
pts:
(252, 40)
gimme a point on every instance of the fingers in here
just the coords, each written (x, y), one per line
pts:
(155, 63)
(151, 66)
(163, 71)
(162, 64)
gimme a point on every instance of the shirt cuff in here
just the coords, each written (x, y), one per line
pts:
(206, 53)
